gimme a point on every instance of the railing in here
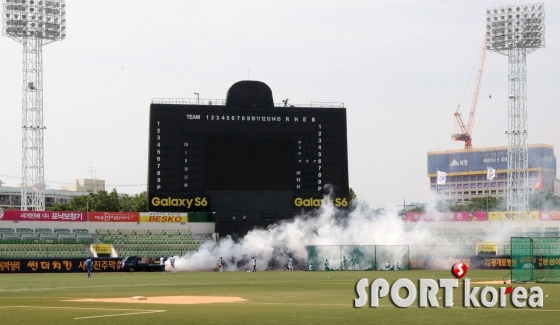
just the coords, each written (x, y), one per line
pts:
(313, 104)
(189, 101)
(222, 102)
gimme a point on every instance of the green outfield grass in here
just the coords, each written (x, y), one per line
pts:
(274, 297)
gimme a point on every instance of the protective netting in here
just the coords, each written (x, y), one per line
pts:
(357, 257)
(535, 259)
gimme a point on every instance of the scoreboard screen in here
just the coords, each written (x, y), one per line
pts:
(247, 146)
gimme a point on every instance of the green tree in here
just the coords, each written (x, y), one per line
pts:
(416, 209)
(544, 201)
(353, 197)
(135, 203)
(103, 201)
(487, 203)
(352, 194)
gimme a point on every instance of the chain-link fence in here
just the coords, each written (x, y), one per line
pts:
(358, 257)
(535, 259)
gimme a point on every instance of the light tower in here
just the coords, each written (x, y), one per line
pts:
(516, 31)
(33, 23)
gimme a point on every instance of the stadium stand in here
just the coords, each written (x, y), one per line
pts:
(533, 232)
(457, 235)
(44, 243)
(43, 250)
(151, 242)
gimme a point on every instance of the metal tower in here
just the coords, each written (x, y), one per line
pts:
(516, 31)
(33, 23)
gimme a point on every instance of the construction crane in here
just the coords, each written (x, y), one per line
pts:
(463, 132)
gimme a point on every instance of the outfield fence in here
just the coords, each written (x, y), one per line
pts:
(535, 259)
(357, 257)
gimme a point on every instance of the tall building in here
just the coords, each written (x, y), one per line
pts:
(466, 171)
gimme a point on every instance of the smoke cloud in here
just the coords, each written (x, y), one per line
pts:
(326, 226)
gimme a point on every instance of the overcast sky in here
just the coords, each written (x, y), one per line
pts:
(399, 66)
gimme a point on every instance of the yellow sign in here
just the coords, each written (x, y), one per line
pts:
(311, 202)
(164, 217)
(487, 247)
(178, 202)
(102, 248)
(508, 216)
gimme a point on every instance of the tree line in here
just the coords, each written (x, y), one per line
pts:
(104, 201)
(539, 201)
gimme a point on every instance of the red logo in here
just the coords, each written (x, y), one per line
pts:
(459, 270)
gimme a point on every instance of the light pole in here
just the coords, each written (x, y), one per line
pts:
(33, 24)
(516, 31)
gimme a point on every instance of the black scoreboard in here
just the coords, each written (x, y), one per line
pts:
(246, 157)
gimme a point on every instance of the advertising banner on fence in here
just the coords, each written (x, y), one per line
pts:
(506, 216)
(114, 216)
(445, 216)
(164, 217)
(102, 249)
(11, 215)
(56, 265)
(487, 248)
(550, 215)
(478, 262)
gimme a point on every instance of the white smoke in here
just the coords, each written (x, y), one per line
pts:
(325, 226)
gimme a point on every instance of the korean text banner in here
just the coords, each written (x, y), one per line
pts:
(164, 217)
(43, 216)
(507, 216)
(550, 215)
(57, 265)
(445, 216)
(114, 216)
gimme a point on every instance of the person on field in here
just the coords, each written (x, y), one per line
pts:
(89, 266)
(311, 267)
(344, 264)
(221, 265)
(327, 265)
(353, 261)
(162, 264)
(388, 265)
(398, 267)
(254, 264)
(172, 264)
(289, 267)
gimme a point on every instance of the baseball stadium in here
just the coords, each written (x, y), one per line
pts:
(248, 216)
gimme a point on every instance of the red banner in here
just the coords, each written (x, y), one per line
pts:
(445, 216)
(42, 216)
(550, 215)
(114, 216)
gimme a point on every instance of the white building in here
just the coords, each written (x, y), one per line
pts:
(10, 197)
(86, 185)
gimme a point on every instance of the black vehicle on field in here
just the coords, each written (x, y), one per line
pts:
(135, 263)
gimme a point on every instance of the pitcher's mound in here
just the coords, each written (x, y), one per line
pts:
(169, 300)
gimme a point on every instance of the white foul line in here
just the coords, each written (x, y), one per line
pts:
(139, 311)
(146, 312)
(85, 308)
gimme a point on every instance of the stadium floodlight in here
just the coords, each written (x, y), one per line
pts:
(516, 31)
(515, 27)
(33, 23)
